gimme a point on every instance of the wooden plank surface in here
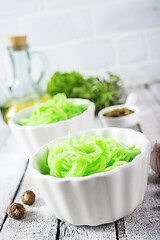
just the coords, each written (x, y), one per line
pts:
(155, 89)
(39, 223)
(71, 232)
(149, 117)
(144, 222)
(12, 168)
(4, 132)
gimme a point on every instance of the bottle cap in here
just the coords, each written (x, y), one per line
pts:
(17, 42)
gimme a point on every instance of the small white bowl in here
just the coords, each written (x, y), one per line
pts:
(99, 198)
(125, 121)
(33, 137)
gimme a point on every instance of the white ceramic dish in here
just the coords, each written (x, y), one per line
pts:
(33, 137)
(125, 121)
(99, 198)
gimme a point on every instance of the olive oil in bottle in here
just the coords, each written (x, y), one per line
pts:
(24, 90)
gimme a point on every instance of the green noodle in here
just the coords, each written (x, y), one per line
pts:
(54, 110)
(86, 156)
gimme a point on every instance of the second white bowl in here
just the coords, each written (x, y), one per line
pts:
(31, 138)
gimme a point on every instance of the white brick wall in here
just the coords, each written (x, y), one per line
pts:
(92, 36)
(51, 28)
(128, 15)
(154, 44)
(127, 51)
(85, 55)
(18, 7)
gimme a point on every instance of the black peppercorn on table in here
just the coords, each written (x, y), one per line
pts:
(39, 223)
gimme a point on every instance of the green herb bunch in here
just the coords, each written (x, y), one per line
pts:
(103, 92)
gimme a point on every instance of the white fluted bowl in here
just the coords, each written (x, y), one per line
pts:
(101, 197)
(31, 138)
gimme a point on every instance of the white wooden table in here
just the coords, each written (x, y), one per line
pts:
(39, 223)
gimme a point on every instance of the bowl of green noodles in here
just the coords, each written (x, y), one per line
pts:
(94, 176)
(37, 125)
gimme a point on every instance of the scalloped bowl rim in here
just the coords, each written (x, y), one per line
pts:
(95, 175)
(11, 121)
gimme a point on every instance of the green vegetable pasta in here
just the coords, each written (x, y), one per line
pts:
(86, 156)
(54, 110)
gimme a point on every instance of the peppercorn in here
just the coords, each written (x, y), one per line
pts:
(28, 197)
(15, 210)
